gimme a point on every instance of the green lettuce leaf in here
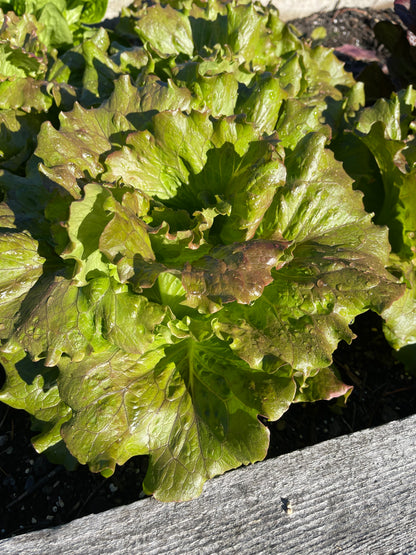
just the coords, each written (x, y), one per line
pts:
(22, 54)
(400, 318)
(236, 272)
(20, 268)
(98, 225)
(382, 131)
(89, 68)
(336, 272)
(32, 387)
(188, 406)
(325, 384)
(62, 318)
(85, 134)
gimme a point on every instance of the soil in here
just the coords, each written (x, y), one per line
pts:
(37, 494)
(349, 26)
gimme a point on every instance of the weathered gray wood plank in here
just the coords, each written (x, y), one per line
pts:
(351, 495)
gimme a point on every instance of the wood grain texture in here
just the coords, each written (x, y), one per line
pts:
(351, 495)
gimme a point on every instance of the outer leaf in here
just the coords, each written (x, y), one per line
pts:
(166, 30)
(127, 320)
(383, 130)
(26, 198)
(32, 387)
(263, 101)
(20, 268)
(56, 321)
(391, 122)
(23, 67)
(100, 70)
(324, 385)
(198, 391)
(87, 219)
(400, 318)
(395, 113)
(214, 81)
(298, 119)
(75, 151)
(126, 235)
(93, 11)
(89, 68)
(75, 321)
(26, 94)
(6, 216)
(56, 31)
(100, 225)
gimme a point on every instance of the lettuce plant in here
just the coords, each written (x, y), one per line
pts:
(381, 139)
(186, 255)
(61, 21)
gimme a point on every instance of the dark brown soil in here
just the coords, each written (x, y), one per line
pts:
(37, 494)
(350, 26)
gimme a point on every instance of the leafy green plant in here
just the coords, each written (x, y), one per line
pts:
(60, 20)
(379, 153)
(182, 252)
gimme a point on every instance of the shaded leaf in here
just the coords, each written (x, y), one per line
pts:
(32, 387)
(20, 268)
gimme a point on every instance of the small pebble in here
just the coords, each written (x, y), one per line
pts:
(112, 488)
(60, 503)
(49, 517)
(3, 440)
(34, 521)
(9, 450)
(54, 509)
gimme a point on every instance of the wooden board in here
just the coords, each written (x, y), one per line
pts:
(352, 495)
